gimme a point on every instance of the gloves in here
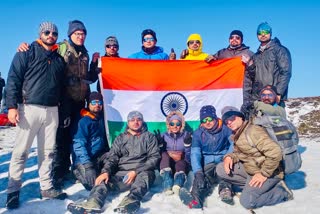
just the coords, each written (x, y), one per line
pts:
(160, 139)
(89, 174)
(199, 180)
(188, 140)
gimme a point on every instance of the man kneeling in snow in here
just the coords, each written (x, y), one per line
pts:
(130, 165)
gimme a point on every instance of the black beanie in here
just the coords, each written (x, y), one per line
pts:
(148, 31)
(76, 25)
(95, 96)
(238, 33)
(208, 111)
(271, 88)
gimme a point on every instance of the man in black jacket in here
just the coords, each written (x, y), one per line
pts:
(130, 165)
(270, 65)
(33, 93)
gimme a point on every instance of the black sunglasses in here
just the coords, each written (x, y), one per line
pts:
(47, 33)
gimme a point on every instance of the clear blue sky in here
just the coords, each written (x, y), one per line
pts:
(295, 23)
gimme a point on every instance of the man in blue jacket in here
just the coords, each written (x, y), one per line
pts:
(210, 143)
(90, 143)
(33, 93)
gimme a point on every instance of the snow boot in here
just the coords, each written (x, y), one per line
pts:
(13, 200)
(128, 205)
(90, 206)
(167, 180)
(288, 191)
(188, 199)
(226, 196)
(179, 180)
(53, 194)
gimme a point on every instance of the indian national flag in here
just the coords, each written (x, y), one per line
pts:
(157, 87)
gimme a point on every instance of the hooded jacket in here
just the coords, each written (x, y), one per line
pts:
(156, 54)
(270, 67)
(196, 55)
(132, 153)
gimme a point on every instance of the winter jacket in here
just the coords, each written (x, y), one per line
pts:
(77, 78)
(156, 54)
(175, 142)
(35, 77)
(132, 153)
(90, 140)
(209, 146)
(229, 52)
(2, 85)
(195, 55)
(269, 109)
(270, 67)
(264, 157)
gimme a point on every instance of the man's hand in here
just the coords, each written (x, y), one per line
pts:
(278, 99)
(13, 115)
(23, 47)
(257, 180)
(210, 58)
(131, 177)
(184, 53)
(228, 164)
(103, 177)
(95, 57)
(172, 55)
(245, 58)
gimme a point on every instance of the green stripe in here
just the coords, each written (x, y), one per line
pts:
(115, 128)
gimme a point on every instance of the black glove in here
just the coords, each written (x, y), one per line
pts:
(188, 140)
(160, 139)
(199, 180)
(89, 174)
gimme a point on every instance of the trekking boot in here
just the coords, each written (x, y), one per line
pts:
(13, 200)
(89, 206)
(187, 198)
(179, 180)
(226, 196)
(128, 205)
(53, 194)
(288, 191)
(167, 180)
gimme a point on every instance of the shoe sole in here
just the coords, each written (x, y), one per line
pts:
(76, 209)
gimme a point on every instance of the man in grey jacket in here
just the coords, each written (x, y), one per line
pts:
(130, 165)
(270, 65)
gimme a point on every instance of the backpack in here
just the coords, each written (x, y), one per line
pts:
(283, 132)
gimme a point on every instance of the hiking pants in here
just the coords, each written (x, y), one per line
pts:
(175, 166)
(40, 121)
(253, 197)
(138, 188)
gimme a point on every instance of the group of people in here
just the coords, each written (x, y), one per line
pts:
(48, 96)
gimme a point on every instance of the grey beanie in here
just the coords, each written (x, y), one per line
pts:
(76, 25)
(229, 111)
(44, 26)
(135, 114)
(112, 40)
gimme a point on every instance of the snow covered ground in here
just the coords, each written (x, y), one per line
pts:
(305, 185)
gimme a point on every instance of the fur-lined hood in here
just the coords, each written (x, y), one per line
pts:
(179, 114)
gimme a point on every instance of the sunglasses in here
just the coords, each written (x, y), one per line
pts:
(235, 37)
(47, 33)
(177, 124)
(263, 32)
(148, 39)
(191, 42)
(267, 95)
(79, 34)
(207, 119)
(111, 46)
(231, 119)
(95, 102)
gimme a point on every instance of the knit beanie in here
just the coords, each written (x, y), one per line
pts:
(175, 117)
(238, 33)
(208, 111)
(47, 26)
(135, 114)
(271, 88)
(146, 32)
(229, 111)
(111, 40)
(264, 27)
(76, 25)
(95, 96)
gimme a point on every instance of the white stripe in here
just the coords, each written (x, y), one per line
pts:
(118, 103)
